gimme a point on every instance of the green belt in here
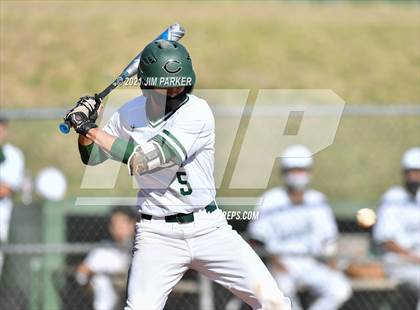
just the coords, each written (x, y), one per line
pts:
(183, 218)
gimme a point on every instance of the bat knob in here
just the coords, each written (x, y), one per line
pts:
(64, 128)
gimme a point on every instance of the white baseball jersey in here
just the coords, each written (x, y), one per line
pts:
(106, 262)
(294, 233)
(189, 133)
(12, 168)
(11, 174)
(290, 230)
(399, 219)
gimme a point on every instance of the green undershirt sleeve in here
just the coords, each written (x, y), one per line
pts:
(122, 149)
(92, 154)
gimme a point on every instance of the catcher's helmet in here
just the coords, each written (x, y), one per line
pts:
(165, 64)
(411, 159)
(296, 156)
(51, 184)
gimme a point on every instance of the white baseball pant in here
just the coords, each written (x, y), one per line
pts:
(407, 273)
(331, 286)
(163, 252)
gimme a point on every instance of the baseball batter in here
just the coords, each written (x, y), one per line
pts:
(296, 225)
(397, 230)
(166, 138)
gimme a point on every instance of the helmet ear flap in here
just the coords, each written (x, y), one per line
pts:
(189, 89)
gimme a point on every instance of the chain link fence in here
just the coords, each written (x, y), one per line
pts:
(49, 242)
(43, 275)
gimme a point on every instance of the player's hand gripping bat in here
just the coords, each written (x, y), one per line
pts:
(173, 33)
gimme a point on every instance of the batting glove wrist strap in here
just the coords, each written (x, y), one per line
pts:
(80, 122)
(84, 127)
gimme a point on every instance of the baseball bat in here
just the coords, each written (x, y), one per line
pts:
(173, 33)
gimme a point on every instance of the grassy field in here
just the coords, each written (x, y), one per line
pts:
(361, 164)
(53, 52)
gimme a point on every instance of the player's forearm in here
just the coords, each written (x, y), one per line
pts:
(5, 190)
(277, 264)
(118, 148)
(82, 274)
(147, 157)
(90, 153)
(82, 140)
(101, 138)
(394, 247)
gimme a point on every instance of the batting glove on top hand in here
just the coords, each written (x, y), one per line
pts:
(83, 116)
(88, 105)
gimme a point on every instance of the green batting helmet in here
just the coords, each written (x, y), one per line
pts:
(165, 64)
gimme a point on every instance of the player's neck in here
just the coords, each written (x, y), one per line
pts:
(156, 110)
(296, 197)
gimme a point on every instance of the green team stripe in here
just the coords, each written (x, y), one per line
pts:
(173, 145)
(176, 142)
(168, 149)
(162, 156)
(165, 147)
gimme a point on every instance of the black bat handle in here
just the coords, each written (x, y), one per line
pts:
(105, 92)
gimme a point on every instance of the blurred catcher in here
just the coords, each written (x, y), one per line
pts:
(397, 231)
(296, 225)
(105, 267)
(166, 137)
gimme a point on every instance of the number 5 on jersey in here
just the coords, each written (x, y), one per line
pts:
(185, 189)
